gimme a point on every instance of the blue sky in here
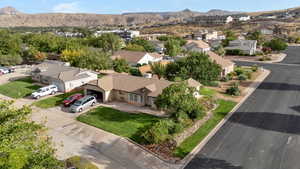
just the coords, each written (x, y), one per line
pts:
(121, 6)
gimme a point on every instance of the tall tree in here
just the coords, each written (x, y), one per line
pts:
(173, 47)
(158, 69)
(256, 35)
(21, 144)
(120, 65)
(110, 42)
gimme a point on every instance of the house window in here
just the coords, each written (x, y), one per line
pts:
(135, 98)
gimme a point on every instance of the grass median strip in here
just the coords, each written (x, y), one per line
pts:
(19, 88)
(120, 123)
(53, 101)
(190, 143)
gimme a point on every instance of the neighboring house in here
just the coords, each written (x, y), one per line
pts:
(211, 20)
(159, 46)
(66, 78)
(266, 31)
(241, 17)
(226, 64)
(125, 34)
(246, 46)
(196, 46)
(153, 37)
(134, 90)
(205, 35)
(134, 58)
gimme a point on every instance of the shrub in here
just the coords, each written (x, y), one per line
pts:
(239, 71)
(234, 52)
(242, 77)
(159, 132)
(135, 72)
(234, 90)
(276, 44)
(265, 58)
(254, 68)
(80, 163)
(225, 79)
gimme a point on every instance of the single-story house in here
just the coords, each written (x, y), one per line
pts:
(134, 58)
(134, 90)
(159, 46)
(196, 46)
(226, 65)
(246, 46)
(266, 31)
(66, 78)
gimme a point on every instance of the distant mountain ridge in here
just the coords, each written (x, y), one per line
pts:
(11, 17)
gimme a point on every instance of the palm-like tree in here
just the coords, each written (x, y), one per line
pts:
(158, 69)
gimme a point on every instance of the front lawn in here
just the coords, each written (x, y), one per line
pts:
(190, 143)
(19, 88)
(53, 101)
(118, 122)
(207, 91)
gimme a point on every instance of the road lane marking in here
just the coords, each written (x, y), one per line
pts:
(289, 140)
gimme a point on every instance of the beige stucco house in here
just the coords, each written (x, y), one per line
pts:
(134, 90)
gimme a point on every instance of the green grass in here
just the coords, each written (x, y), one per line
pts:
(19, 88)
(53, 101)
(120, 123)
(207, 92)
(190, 143)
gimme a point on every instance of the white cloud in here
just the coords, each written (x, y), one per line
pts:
(72, 7)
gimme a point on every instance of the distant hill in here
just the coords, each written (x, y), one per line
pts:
(11, 17)
(9, 11)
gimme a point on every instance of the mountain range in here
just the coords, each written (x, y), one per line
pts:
(11, 17)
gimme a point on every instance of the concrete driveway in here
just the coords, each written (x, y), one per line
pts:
(264, 133)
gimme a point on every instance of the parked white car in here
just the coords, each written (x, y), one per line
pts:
(4, 70)
(83, 103)
(45, 91)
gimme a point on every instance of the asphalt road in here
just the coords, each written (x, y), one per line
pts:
(264, 133)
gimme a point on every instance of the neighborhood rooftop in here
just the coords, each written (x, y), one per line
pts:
(133, 56)
(129, 83)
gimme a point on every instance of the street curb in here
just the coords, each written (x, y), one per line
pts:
(270, 62)
(199, 147)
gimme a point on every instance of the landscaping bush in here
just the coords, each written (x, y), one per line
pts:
(265, 58)
(276, 44)
(80, 163)
(254, 68)
(231, 75)
(234, 52)
(135, 72)
(159, 132)
(242, 77)
(239, 71)
(225, 79)
(234, 90)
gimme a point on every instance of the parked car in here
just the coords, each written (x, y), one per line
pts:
(83, 103)
(4, 70)
(72, 99)
(45, 91)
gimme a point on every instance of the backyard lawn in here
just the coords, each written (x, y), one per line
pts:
(118, 122)
(190, 143)
(19, 88)
(53, 101)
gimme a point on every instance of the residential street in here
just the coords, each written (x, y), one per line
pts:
(264, 133)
